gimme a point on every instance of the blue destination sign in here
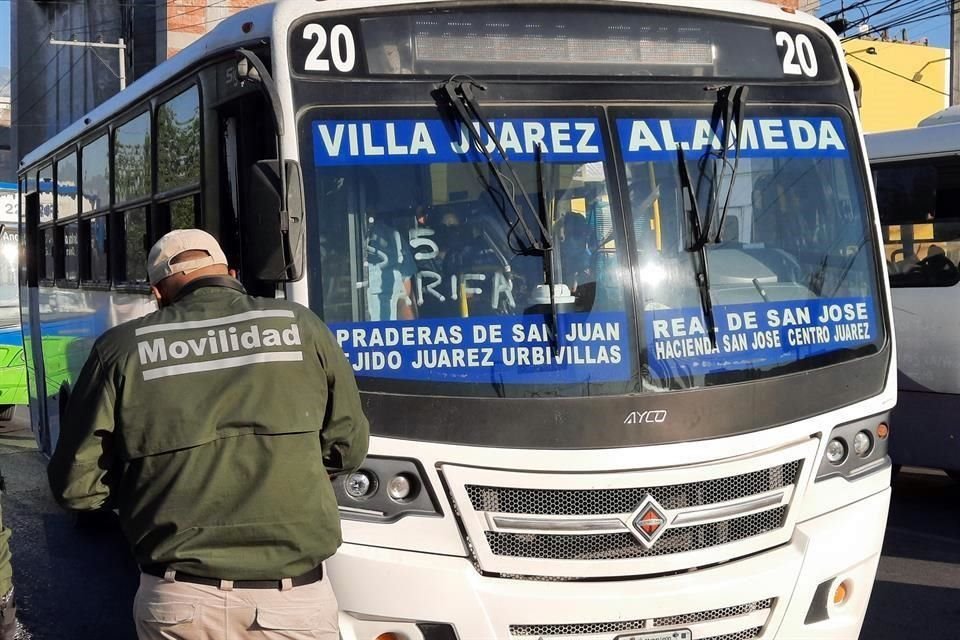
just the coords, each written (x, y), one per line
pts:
(375, 142)
(756, 335)
(497, 349)
(657, 140)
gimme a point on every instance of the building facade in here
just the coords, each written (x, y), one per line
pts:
(54, 85)
(902, 82)
(8, 160)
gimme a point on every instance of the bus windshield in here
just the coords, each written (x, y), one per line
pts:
(791, 271)
(422, 267)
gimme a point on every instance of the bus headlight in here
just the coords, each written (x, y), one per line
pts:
(359, 485)
(401, 488)
(856, 448)
(862, 442)
(836, 451)
(385, 490)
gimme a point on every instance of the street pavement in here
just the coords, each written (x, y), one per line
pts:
(71, 583)
(77, 582)
(917, 592)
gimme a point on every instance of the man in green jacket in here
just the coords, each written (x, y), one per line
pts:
(212, 425)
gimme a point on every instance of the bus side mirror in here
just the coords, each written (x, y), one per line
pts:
(857, 86)
(271, 238)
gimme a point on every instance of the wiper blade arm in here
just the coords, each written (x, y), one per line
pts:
(460, 95)
(739, 103)
(549, 258)
(701, 269)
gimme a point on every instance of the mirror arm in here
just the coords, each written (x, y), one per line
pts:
(268, 85)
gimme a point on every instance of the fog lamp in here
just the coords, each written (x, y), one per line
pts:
(359, 484)
(400, 487)
(836, 451)
(862, 443)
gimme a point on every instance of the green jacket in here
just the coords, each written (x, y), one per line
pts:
(212, 425)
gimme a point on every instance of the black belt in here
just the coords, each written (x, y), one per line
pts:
(314, 575)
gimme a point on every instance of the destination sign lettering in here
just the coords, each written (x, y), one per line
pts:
(756, 335)
(509, 350)
(371, 142)
(658, 139)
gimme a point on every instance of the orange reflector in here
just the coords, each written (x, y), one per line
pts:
(388, 636)
(839, 596)
(883, 430)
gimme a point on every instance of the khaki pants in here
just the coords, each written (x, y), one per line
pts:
(182, 611)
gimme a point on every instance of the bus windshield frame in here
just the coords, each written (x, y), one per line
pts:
(861, 314)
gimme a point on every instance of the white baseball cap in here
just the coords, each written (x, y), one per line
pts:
(176, 242)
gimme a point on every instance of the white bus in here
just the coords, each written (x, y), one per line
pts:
(917, 177)
(609, 275)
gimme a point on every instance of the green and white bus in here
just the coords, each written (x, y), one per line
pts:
(13, 371)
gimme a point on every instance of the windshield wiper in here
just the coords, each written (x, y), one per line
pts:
(733, 114)
(732, 111)
(550, 274)
(739, 102)
(460, 95)
(698, 248)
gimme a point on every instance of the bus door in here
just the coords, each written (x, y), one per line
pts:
(247, 135)
(32, 338)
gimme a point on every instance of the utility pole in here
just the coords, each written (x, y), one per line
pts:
(954, 53)
(120, 46)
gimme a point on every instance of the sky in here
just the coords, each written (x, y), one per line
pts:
(921, 18)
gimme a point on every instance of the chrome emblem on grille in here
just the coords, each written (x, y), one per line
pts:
(648, 522)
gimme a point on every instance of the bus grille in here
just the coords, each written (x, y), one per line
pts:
(625, 545)
(612, 501)
(746, 634)
(754, 615)
(563, 526)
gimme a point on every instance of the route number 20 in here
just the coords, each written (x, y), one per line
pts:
(799, 58)
(342, 52)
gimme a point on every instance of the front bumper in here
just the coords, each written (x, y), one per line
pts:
(382, 590)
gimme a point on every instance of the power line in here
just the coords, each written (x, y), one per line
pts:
(924, 13)
(102, 28)
(902, 77)
(94, 29)
(63, 75)
(21, 67)
(55, 83)
(897, 13)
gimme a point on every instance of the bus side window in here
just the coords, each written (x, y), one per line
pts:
(69, 261)
(95, 179)
(921, 227)
(48, 269)
(178, 162)
(134, 246)
(97, 251)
